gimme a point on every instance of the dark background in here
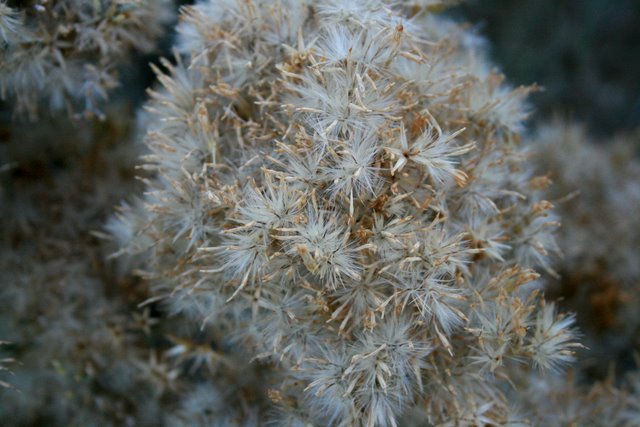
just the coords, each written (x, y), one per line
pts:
(585, 54)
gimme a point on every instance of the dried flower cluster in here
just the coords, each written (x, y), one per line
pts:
(64, 54)
(596, 189)
(336, 224)
(338, 190)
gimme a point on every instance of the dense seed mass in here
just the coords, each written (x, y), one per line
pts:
(340, 190)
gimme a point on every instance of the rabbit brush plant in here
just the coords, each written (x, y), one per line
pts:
(66, 53)
(339, 189)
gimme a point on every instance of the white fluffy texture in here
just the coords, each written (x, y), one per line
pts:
(349, 180)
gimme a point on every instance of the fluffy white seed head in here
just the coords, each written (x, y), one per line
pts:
(363, 206)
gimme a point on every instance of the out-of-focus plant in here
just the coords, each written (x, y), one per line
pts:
(65, 54)
(69, 322)
(86, 355)
(599, 189)
(4, 362)
(595, 188)
(338, 189)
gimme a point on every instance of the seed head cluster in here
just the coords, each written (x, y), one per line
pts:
(339, 189)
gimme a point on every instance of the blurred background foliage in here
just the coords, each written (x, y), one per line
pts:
(584, 53)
